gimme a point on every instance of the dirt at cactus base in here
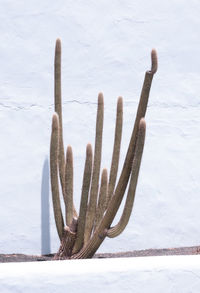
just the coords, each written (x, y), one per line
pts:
(136, 253)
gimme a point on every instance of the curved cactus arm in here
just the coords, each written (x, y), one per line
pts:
(119, 228)
(90, 217)
(84, 200)
(146, 87)
(54, 146)
(68, 194)
(126, 170)
(116, 149)
(102, 198)
(58, 109)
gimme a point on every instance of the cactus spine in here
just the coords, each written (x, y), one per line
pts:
(82, 235)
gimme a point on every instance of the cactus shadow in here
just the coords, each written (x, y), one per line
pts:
(45, 214)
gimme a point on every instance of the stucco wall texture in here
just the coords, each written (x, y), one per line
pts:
(106, 47)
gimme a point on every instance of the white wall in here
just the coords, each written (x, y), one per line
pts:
(106, 47)
(167, 274)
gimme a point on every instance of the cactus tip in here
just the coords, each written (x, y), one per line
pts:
(100, 98)
(120, 101)
(89, 149)
(69, 155)
(55, 121)
(154, 61)
(58, 44)
(69, 149)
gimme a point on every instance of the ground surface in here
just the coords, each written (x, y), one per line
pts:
(136, 253)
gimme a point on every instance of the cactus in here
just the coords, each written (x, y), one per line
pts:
(81, 235)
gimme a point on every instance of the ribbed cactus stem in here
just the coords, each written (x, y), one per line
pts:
(58, 109)
(84, 200)
(102, 198)
(116, 149)
(68, 194)
(90, 217)
(54, 146)
(119, 228)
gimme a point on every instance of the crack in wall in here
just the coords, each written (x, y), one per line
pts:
(126, 103)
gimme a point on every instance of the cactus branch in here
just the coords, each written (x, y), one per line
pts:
(54, 145)
(68, 194)
(90, 217)
(141, 111)
(116, 149)
(84, 199)
(58, 109)
(119, 228)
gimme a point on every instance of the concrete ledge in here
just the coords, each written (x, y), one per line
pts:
(143, 274)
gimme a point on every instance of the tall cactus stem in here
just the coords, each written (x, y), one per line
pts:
(54, 146)
(90, 217)
(58, 109)
(116, 149)
(119, 228)
(84, 200)
(126, 170)
(68, 194)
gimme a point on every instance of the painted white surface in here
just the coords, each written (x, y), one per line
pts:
(106, 47)
(169, 274)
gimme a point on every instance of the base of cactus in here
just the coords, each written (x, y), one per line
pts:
(66, 246)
